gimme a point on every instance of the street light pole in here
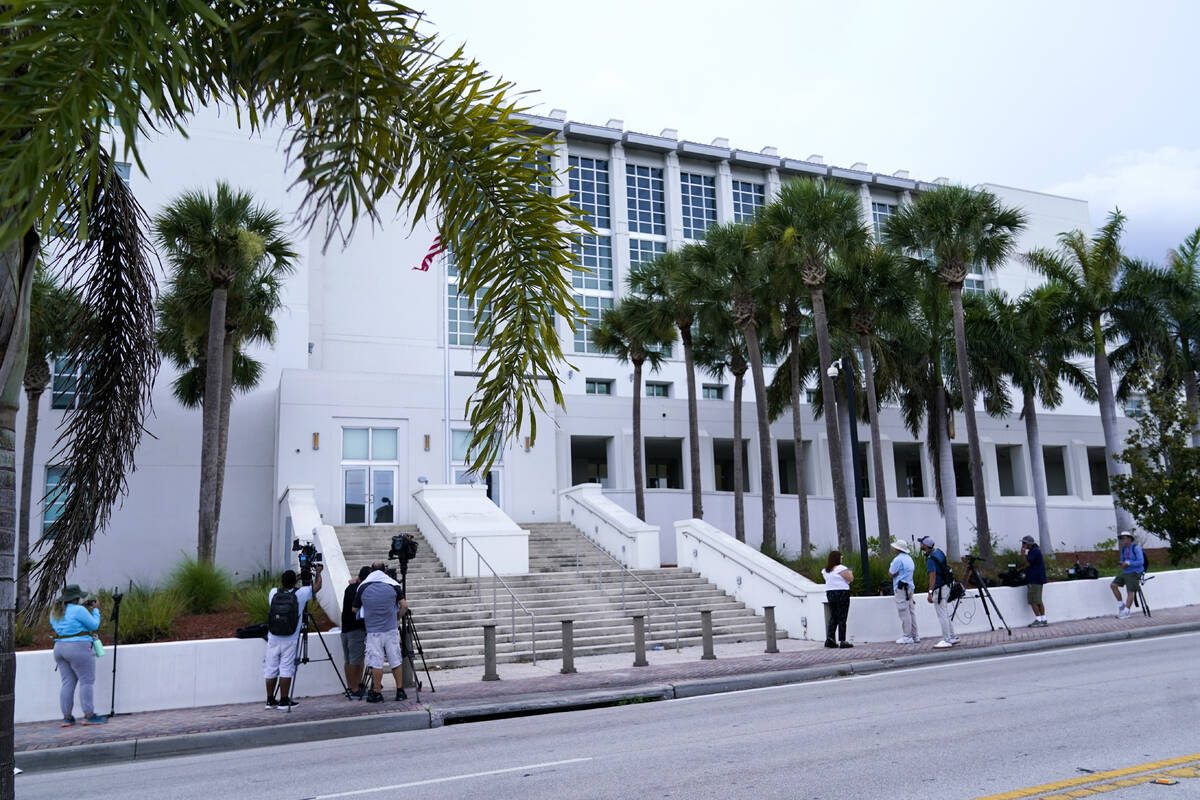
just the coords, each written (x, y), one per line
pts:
(847, 368)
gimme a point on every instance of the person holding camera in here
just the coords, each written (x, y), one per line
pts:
(1133, 563)
(354, 635)
(940, 579)
(284, 622)
(904, 589)
(381, 600)
(74, 619)
(1035, 579)
(838, 578)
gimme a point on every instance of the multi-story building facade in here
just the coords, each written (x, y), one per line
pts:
(365, 387)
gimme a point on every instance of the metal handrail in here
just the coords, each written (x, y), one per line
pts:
(627, 571)
(514, 601)
(785, 589)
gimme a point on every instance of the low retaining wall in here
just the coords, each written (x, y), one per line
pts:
(744, 573)
(151, 677)
(619, 533)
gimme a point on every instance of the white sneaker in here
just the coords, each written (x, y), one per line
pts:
(1123, 613)
(953, 640)
(904, 640)
(944, 643)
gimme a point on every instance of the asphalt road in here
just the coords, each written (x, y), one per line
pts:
(962, 730)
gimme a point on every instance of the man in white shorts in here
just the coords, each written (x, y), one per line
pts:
(279, 663)
(382, 602)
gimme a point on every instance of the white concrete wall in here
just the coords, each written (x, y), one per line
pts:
(151, 677)
(469, 533)
(618, 532)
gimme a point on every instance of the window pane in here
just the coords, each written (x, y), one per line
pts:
(56, 499)
(458, 444)
(354, 444)
(588, 182)
(383, 444)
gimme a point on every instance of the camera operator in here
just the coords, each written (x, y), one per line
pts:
(903, 591)
(354, 634)
(940, 579)
(1035, 577)
(283, 634)
(381, 600)
(1133, 563)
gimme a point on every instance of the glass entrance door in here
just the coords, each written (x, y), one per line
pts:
(370, 494)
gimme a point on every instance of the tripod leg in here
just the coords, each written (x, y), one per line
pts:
(992, 600)
(416, 639)
(328, 655)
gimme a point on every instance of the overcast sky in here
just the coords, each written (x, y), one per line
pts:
(1097, 99)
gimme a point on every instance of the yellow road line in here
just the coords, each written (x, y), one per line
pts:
(1065, 786)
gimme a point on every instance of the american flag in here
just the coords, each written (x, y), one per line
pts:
(434, 249)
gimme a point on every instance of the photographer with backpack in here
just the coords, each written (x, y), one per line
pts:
(1133, 564)
(941, 579)
(283, 635)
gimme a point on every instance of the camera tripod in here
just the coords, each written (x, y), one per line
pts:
(307, 623)
(1139, 597)
(985, 597)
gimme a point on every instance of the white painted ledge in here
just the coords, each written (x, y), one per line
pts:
(469, 532)
(618, 532)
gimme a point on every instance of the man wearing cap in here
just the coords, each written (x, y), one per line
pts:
(939, 590)
(904, 590)
(1133, 561)
(1035, 579)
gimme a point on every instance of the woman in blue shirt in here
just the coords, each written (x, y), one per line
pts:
(73, 624)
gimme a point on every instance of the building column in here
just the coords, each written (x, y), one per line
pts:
(889, 468)
(724, 192)
(1076, 461)
(674, 202)
(824, 477)
(708, 479)
(928, 477)
(991, 470)
(773, 184)
(620, 217)
(561, 165)
(864, 199)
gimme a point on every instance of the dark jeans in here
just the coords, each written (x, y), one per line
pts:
(839, 610)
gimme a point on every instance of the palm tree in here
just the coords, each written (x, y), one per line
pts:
(962, 230)
(225, 238)
(634, 331)
(729, 264)
(919, 347)
(1156, 312)
(53, 312)
(1088, 270)
(670, 280)
(802, 230)
(1031, 341)
(720, 347)
(183, 317)
(873, 282)
(373, 112)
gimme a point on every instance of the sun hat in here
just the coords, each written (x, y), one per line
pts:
(70, 593)
(899, 545)
(1028, 540)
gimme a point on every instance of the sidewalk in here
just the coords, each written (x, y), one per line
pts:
(461, 695)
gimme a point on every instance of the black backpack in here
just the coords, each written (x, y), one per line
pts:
(954, 588)
(284, 614)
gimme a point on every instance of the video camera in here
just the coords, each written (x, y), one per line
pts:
(1082, 571)
(404, 548)
(308, 557)
(1013, 576)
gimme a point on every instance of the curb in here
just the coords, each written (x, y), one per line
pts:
(532, 703)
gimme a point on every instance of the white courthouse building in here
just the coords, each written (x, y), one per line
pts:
(364, 391)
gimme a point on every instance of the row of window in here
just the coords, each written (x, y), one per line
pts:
(604, 386)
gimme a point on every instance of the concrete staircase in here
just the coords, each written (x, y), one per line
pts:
(569, 578)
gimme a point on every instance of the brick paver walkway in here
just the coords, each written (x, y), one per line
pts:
(46, 735)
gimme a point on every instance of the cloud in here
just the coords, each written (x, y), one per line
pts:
(1159, 191)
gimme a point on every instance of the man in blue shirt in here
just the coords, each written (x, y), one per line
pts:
(1133, 561)
(1035, 579)
(904, 592)
(939, 589)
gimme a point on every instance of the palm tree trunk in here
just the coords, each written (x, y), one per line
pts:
(1191, 391)
(226, 405)
(881, 510)
(798, 444)
(685, 336)
(1037, 467)
(841, 511)
(20, 260)
(206, 548)
(739, 468)
(983, 531)
(1108, 422)
(848, 487)
(33, 393)
(639, 474)
(769, 542)
(946, 476)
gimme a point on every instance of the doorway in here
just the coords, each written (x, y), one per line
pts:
(371, 475)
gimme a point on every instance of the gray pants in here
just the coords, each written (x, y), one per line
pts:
(941, 599)
(906, 607)
(76, 665)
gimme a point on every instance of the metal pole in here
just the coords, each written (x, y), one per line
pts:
(769, 615)
(707, 634)
(489, 653)
(639, 642)
(568, 648)
(848, 369)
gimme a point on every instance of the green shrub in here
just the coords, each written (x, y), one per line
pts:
(205, 587)
(251, 596)
(150, 614)
(24, 635)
